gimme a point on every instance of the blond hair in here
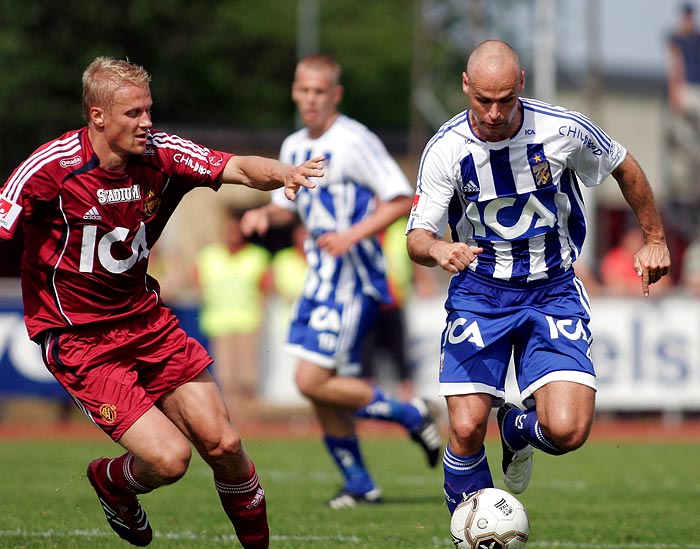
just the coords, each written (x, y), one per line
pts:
(322, 62)
(104, 77)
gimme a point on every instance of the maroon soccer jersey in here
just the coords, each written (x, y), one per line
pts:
(88, 230)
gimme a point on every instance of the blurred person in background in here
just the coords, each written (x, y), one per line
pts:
(385, 349)
(232, 276)
(91, 204)
(683, 160)
(288, 267)
(690, 269)
(504, 175)
(165, 264)
(362, 192)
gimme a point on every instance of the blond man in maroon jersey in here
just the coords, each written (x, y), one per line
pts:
(91, 204)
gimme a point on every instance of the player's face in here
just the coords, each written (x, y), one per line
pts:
(495, 109)
(127, 123)
(316, 96)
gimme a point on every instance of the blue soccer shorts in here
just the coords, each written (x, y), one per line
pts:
(330, 333)
(542, 325)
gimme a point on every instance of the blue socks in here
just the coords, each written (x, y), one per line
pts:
(347, 456)
(521, 428)
(464, 475)
(388, 409)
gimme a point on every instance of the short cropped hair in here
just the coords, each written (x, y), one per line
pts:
(104, 77)
(322, 61)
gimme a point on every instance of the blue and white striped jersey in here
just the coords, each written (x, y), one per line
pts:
(519, 199)
(358, 172)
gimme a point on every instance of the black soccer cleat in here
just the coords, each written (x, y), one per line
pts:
(124, 513)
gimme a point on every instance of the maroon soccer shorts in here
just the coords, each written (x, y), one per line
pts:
(117, 370)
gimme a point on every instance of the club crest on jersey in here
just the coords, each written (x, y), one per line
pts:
(126, 194)
(108, 413)
(541, 171)
(151, 204)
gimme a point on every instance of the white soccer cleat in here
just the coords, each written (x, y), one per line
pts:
(428, 433)
(516, 464)
(344, 499)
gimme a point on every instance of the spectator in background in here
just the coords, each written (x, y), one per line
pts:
(690, 269)
(617, 272)
(589, 276)
(288, 267)
(684, 65)
(684, 124)
(232, 276)
(165, 264)
(386, 343)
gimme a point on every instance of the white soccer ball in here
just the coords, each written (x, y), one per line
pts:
(490, 519)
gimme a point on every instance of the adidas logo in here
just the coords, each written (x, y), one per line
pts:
(470, 187)
(92, 213)
(257, 499)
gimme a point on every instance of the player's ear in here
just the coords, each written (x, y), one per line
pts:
(465, 83)
(338, 93)
(97, 117)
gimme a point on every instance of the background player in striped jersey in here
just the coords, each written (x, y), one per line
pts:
(362, 192)
(91, 204)
(505, 175)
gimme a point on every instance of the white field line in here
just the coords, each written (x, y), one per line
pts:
(176, 536)
(227, 539)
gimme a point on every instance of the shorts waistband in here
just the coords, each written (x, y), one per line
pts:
(554, 280)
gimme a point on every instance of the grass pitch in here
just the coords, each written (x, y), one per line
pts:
(606, 495)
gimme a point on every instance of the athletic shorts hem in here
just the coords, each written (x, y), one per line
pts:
(126, 425)
(345, 369)
(451, 389)
(582, 378)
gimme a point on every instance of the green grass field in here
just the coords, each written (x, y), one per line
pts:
(606, 495)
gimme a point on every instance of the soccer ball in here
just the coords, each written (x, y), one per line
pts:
(490, 519)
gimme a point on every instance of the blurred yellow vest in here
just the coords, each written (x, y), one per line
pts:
(289, 272)
(232, 297)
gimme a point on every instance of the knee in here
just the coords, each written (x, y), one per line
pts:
(172, 462)
(223, 448)
(467, 434)
(307, 385)
(568, 435)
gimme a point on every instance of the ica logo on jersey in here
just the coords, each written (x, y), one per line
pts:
(567, 328)
(101, 249)
(457, 331)
(326, 321)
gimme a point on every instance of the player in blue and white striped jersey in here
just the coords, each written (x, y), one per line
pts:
(505, 177)
(362, 192)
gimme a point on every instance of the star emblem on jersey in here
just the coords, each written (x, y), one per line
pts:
(151, 204)
(541, 171)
